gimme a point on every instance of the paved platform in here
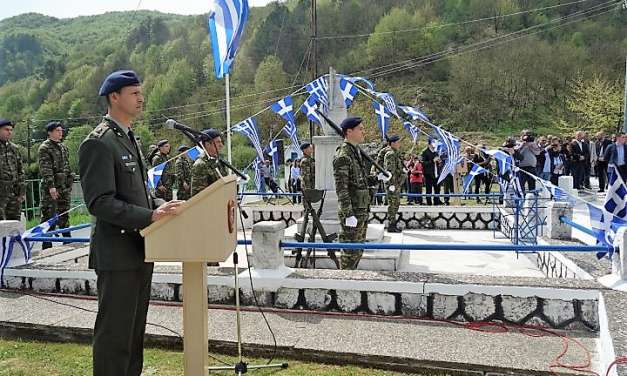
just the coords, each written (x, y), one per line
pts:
(392, 343)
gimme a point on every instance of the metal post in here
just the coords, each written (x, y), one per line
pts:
(228, 117)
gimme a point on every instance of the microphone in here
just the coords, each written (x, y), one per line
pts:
(173, 124)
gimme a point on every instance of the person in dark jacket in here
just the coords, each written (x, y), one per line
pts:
(601, 165)
(579, 158)
(430, 168)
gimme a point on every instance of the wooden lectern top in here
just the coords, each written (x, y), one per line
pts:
(204, 230)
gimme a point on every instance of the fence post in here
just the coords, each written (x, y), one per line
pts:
(619, 261)
(556, 228)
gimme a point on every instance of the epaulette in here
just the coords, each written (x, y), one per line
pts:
(100, 130)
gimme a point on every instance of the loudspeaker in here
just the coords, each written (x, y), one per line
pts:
(280, 151)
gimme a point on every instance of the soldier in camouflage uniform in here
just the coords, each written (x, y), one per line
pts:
(393, 163)
(56, 178)
(207, 168)
(166, 183)
(12, 177)
(352, 183)
(378, 200)
(183, 168)
(307, 167)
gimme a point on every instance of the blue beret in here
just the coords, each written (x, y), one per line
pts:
(304, 145)
(162, 142)
(182, 148)
(209, 134)
(4, 122)
(53, 125)
(393, 138)
(117, 80)
(350, 123)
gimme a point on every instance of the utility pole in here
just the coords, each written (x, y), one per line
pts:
(314, 46)
(28, 138)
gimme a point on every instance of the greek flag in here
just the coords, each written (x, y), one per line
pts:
(383, 118)
(154, 175)
(476, 170)
(285, 108)
(248, 128)
(614, 213)
(556, 192)
(348, 91)
(355, 80)
(226, 25)
(504, 161)
(412, 129)
(320, 88)
(451, 146)
(273, 151)
(290, 130)
(258, 178)
(309, 109)
(388, 99)
(414, 113)
(194, 153)
(437, 145)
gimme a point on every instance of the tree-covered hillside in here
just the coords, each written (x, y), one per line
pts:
(487, 66)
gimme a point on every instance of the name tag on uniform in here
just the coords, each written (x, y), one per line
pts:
(126, 157)
(130, 164)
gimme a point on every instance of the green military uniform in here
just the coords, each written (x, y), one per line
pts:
(205, 171)
(373, 170)
(183, 168)
(168, 177)
(113, 178)
(12, 181)
(352, 184)
(393, 163)
(54, 168)
(308, 172)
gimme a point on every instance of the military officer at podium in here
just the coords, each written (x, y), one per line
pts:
(352, 184)
(113, 176)
(208, 168)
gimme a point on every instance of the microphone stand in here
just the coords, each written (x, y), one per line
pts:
(240, 367)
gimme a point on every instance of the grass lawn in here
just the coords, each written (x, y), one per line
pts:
(21, 358)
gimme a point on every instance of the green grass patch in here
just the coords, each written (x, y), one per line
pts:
(22, 358)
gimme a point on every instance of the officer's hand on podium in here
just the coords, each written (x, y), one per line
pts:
(384, 177)
(351, 221)
(169, 208)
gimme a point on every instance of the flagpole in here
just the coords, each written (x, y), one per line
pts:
(228, 117)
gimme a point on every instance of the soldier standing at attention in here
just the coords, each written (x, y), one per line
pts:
(183, 168)
(393, 163)
(207, 168)
(12, 177)
(56, 178)
(307, 167)
(113, 178)
(352, 184)
(165, 185)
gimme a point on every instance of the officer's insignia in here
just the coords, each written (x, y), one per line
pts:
(125, 157)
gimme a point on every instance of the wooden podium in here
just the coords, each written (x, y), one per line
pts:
(205, 230)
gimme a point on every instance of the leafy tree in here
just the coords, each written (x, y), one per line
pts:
(597, 103)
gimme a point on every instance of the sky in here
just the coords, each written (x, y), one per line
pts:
(74, 8)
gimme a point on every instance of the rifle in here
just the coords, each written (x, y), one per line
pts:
(364, 155)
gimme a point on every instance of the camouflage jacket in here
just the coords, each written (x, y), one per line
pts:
(54, 166)
(183, 168)
(352, 182)
(393, 163)
(380, 158)
(206, 171)
(308, 172)
(12, 176)
(167, 176)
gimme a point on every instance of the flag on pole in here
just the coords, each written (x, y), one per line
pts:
(320, 88)
(355, 80)
(154, 175)
(390, 104)
(614, 213)
(227, 19)
(476, 170)
(504, 161)
(273, 151)
(451, 145)
(258, 177)
(290, 130)
(248, 128)
(349, 91)
(412, 129)
(309, 109)
(194, 153)
(383, 118)
(414, 113)
(285, 108)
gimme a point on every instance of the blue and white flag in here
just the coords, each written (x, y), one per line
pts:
(309, 109)
(355, 80)
(504, 161)
(349, 91)
(248, 128)
(390, 104)
(414, 113)
(476, 170)
(290, 130)
(226, 25)
(412, 129)
(614, 213)
(451, 145)
(194, 153)
(154, 175)
(320, 88)
(556, 192)
(273, 151)
(383, 118)
(257, 164)
(285, 108)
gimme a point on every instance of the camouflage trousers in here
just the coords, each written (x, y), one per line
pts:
(50, 207)
(10, 207)
(394, 201)
(349, 259)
